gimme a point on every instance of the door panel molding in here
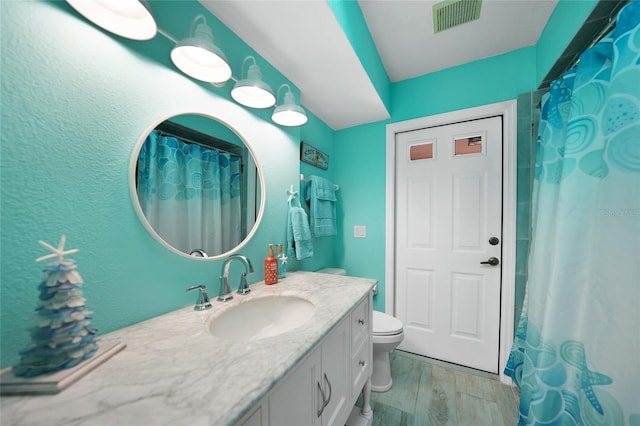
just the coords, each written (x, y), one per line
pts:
(508, 111)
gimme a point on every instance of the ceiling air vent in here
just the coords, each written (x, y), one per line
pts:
(450, 13)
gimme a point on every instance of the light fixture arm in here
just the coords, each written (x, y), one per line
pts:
(278, 92)
(201, 29)
(244, 61)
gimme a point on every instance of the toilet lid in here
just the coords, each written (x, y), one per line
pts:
(385, 325)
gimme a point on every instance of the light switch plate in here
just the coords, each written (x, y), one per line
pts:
(360, 231)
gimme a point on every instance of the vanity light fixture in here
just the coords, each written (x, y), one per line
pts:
(252, 91)
(198, 56)
(126, 18)
(289, 113)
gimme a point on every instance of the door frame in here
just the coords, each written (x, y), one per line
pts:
(508, 111)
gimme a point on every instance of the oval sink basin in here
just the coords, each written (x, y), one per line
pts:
(262, 317)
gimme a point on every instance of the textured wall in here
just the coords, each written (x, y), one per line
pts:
(75, 100)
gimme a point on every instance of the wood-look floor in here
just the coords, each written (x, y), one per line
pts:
(427, 392)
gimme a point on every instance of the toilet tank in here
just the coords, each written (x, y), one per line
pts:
(338, 271)
(332, 271)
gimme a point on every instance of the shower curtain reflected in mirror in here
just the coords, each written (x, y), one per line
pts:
(190, 194)
(575, 355)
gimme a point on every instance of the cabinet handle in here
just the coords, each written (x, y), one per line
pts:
(360, 321)
(324, 402)
(329, 383)
(362, 363)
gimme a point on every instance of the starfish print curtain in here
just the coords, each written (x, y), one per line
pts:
(576, 353)
(190, 194)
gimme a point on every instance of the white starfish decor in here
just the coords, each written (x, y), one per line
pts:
(58, 252)
(62, 336)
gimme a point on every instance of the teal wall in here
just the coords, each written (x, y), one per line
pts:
(360, 151)
(566, 19)
(352, 20)
(490, 80)
(360, 172)
(320, 136)
(75, 100)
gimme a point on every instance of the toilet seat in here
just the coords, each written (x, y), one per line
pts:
(385, 325)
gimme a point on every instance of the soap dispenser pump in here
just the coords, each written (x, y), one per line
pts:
(270, 268)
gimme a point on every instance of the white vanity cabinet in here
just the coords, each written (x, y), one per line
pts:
(323, 388)
(361, 347)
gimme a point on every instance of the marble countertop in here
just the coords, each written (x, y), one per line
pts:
(174, 372)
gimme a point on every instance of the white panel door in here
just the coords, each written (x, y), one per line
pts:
(448, 208)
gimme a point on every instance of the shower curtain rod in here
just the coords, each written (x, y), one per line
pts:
(183, 139)
(596, 26)
(177, 131)
(602, 34)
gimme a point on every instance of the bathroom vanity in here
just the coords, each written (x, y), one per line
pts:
(176, 369)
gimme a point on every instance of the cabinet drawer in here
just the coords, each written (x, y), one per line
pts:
(360, 327)
(361, 367)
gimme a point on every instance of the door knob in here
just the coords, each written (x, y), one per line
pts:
(494, 241)
(491, 261)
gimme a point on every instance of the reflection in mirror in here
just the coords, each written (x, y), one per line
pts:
(197, 186)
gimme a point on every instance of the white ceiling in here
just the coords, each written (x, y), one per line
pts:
(305, 42)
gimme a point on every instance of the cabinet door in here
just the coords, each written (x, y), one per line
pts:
(255, 418)
(361, 368)
(335, 375)
(296, 399)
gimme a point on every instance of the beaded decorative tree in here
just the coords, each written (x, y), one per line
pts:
(61, 336)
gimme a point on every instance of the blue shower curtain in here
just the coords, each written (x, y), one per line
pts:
(576, 355)
(190, 194)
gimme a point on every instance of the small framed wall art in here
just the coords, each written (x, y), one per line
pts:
(313, 156)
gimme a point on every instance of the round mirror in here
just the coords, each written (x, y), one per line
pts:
(196, 186)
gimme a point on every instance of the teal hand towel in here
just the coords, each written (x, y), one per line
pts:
(322, 207)
(298, 233)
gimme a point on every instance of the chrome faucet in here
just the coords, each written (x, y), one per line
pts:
(225, 292)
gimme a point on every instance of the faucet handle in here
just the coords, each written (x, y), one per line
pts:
(243, 288)
(203, 299)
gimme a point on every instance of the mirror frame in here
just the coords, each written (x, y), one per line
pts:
(133, 191)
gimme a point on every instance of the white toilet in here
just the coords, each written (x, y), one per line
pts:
(387, 335)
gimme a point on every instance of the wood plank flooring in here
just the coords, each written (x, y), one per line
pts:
(427, 392)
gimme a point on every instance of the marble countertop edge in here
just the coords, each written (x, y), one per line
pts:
(175, 367)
